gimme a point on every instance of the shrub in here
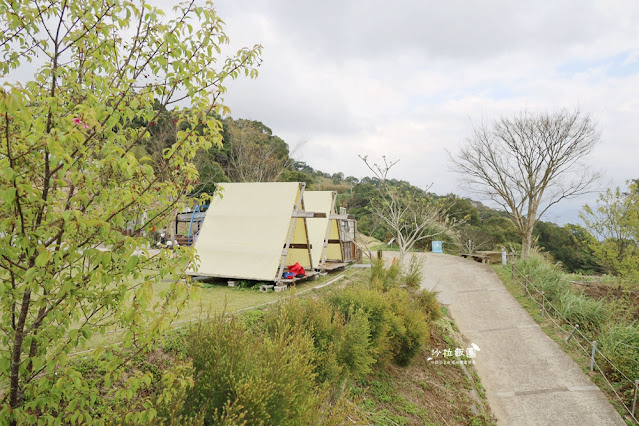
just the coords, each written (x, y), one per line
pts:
(329, 332)
(355, 353)
(413, 278)
(382, 278)
(398, 325)
(372, 304)
(427, 301)
(579, 309)
(326, 328)
(409, 327)
(240, 376)
(277, 367)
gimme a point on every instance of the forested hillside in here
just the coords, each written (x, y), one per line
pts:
(250, 152)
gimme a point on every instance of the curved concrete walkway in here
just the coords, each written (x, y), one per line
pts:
(528, 378)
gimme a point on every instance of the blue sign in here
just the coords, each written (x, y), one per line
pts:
(437, 247)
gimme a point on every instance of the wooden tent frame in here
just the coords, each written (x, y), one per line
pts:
(290, 245)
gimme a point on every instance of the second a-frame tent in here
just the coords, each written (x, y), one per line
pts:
(253, 231)
(324, 232)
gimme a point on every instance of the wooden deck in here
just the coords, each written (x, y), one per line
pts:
(308, 275)
(331, 266)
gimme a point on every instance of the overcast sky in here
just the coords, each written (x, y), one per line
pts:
(407, 79)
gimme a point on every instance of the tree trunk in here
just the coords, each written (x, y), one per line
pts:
(172, 226)
(526, 243)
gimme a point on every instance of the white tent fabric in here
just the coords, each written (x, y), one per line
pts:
(246, 229)
(318, 228)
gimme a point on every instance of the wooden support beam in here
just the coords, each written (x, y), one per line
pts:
(334, 241)
(341, 216)
(299, 246)
(186, 217)
(305, 214)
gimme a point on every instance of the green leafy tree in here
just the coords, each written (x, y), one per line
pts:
(501, 228)
(254, 153)
(358, 203)
(615, 223)
(297, 176)
(70, 182)
(337, 178)
(462, 209)
(567, 244)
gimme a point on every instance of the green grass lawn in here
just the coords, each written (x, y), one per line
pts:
(216, 297)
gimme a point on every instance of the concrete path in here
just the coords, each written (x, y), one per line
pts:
(528, 379)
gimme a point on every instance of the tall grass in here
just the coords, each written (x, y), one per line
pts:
(578, 309)
(617, 338)
(544, 276)
(620, 343)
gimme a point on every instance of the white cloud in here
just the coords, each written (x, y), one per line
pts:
(407, 79)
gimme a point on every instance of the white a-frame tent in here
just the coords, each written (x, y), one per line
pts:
(324, 232)
(254, 231)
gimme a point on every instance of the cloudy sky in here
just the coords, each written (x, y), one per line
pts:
(407, 79)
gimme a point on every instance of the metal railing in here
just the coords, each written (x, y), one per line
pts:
(548, 310)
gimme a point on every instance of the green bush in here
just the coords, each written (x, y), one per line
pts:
(355, 353)
(398, 324)
(280, 366)
(371, 303)
(409, 329)
(413, 277)
(427, 301)
(579, 309)
(241, 376)
(326, 328)
(382, 278)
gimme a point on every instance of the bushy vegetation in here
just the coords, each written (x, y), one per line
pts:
(620, 343)
(287, 367)
(582, 310)
(544, 276)
(601, 319)
(258, 378)
(614, 221)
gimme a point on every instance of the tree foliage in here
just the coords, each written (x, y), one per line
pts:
(615, 223)
(255, 155)
(529, 163)
(70, 182)
(568, 244)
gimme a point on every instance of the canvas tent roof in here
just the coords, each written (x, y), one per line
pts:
(251, 230)
(323, 233)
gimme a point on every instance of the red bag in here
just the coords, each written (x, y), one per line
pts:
(297, 269)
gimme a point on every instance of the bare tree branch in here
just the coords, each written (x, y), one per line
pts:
(529, 163)
(409, 217)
